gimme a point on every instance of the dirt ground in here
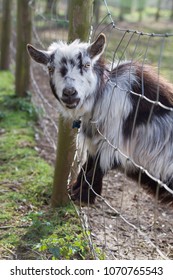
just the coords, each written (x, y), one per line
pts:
(128, 223)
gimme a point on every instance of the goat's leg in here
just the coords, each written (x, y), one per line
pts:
(89, 182)
(84, 170)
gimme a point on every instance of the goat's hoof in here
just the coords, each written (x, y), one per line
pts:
(81, 194)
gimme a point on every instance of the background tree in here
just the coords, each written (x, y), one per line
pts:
(51, 6)
(125, 8)
(96, 10)
(157, 16)
(141, 7)
(80, 13)
(24, 24)
(171, 15)
(5, 34)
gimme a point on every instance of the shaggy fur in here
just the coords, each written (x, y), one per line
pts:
(123, 112)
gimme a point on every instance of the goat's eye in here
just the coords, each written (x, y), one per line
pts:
(51, 69)
(87, 65)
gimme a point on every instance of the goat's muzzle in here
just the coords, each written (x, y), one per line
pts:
(70, 97)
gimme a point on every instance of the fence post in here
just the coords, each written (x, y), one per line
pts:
(24, 28)
(80, 13)
(5, 34)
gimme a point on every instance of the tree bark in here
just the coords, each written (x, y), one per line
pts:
(96, 10)
(5, 34)
(80, 13)
(80, 19)
(24, 28)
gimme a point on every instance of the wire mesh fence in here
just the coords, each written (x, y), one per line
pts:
(126, 221)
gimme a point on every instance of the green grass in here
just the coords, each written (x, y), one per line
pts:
(29, 227)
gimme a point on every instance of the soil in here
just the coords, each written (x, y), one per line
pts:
(127, 222)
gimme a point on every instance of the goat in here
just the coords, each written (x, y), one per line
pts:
(123, 109)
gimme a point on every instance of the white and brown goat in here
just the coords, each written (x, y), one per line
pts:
(122, 109)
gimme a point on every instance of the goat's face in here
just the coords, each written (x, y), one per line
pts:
(72, 78)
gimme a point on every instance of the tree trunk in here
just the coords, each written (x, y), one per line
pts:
(24, 24)
(157, 16)
(125, 8)
(171, 15)
(5, 34)
(51, 6)
(80, 19)
(96, 10)
(80, 12)
(141, 7)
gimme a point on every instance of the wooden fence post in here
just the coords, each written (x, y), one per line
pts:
(5, 34)
(80, 13)
(24, 28)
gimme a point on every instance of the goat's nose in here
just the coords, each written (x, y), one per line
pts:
(70, 91)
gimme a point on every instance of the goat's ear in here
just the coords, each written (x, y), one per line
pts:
(39, 56)
(97, 47)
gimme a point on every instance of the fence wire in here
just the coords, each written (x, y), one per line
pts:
(126, 222)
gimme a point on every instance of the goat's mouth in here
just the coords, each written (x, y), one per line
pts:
(70, 103)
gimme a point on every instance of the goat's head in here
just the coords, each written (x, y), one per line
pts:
(70, 66)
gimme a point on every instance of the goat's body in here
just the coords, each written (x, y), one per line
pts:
(124, 113)
(148, 144)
